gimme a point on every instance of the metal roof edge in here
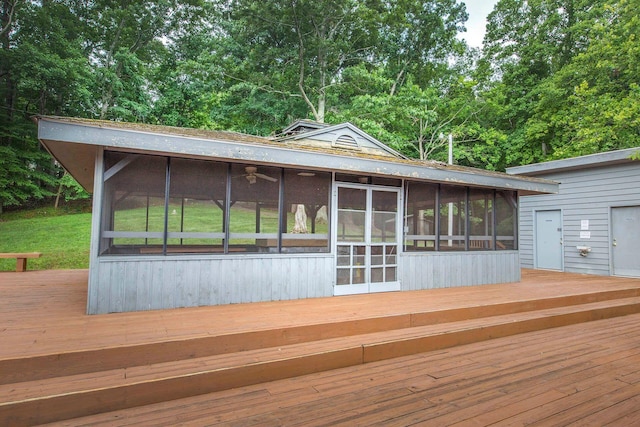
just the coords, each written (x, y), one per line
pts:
(581, 162)
(118, 138)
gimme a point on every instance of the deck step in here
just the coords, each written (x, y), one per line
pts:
(21, 369)
(67, 396)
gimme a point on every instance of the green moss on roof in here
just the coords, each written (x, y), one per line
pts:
(236, 137)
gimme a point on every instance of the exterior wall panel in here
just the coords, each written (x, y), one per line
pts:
(118, 285)
(441, 270)
(585, 194)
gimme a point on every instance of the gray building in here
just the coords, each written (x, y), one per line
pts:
(593, 224)
(186, 217)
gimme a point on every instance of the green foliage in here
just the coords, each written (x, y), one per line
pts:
(554, 79)
(405, 120)
(417, 39)
(25, 169)
(73, 59)
(305, 49)
(568, 76)
(593, 103)
(42, 70)
(297, 49)
(71, 190)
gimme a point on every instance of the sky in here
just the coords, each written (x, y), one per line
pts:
(478, 11)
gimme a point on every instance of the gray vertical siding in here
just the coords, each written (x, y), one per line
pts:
(585, 194)
(133, 284)
(444, 270)
(119, 284)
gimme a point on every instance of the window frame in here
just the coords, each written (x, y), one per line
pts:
(301, 243)
(464, 240)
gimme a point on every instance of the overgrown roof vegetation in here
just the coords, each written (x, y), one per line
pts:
(550, 82)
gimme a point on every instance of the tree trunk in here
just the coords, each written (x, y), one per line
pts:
(301, 220)
(397, 81)
(322, 93)
(8, 10)
(57, 203)
(321, 106)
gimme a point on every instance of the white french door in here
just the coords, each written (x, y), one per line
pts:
(366, 239)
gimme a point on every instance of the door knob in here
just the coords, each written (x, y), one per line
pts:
(615, 242)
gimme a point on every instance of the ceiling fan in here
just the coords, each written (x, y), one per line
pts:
(252, 175)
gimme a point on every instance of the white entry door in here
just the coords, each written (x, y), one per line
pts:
(366, 239)
(625, 244)
(548, 240)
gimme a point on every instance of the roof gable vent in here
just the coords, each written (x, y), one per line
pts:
(346, 141)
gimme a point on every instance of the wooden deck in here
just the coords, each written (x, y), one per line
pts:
(580, 375)
(549, 368)
(42, 312)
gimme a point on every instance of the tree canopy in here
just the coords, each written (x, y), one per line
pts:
(554, 78)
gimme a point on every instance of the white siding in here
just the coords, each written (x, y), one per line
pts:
(133, 284)
(585, 194)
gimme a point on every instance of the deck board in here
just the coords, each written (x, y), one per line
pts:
(582, 374)
(41, 310)
(496, 388)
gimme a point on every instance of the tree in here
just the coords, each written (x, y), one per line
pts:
(418, 38)
(42, 71)
(410, 119)
(402, 120)
(185, 81)
(303, 49)
(593, 103)
(85, 59)
(125, 36)
(528, 45)
(298, 48)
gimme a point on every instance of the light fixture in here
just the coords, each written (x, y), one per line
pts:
(306, 174)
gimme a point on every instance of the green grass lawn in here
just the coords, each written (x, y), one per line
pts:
(63, 239)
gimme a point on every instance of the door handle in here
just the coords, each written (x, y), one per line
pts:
(615, 242)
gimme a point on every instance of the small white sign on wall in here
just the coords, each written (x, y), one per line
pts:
(585, 234)
(584, 224)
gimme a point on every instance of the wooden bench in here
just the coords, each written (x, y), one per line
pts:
(21, 258)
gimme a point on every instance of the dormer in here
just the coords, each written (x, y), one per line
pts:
(344, 136)
(301, 126)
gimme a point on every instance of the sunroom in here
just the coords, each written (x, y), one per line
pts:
(185, 217)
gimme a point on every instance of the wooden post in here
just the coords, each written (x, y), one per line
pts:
(21, 264)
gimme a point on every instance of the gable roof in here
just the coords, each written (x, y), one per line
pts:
(76, 142)
(575, 163)
(360, 140)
